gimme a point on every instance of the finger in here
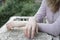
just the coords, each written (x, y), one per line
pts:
(26, 31)
(33, 32)
(36, 29)
(29, 31)
(9, 26)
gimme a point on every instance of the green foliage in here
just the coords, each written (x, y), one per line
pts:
(17, 8)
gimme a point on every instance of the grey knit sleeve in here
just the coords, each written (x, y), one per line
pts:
(53, 28)
(41, 12)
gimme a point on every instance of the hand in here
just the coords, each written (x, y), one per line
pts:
(10, 25)
(31, 28)
(15, 24)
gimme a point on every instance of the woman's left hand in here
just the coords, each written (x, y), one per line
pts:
(31, 28)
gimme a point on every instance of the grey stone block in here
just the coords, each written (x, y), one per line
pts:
(19, 35)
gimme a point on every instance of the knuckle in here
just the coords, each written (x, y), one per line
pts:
(33, 30)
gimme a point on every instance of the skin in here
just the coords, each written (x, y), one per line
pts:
(13, 24)
(31, 26)
(30, 29)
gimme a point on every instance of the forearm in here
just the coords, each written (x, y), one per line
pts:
(48, 28)
(19, 23)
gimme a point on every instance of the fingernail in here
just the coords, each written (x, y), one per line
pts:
(32, 37)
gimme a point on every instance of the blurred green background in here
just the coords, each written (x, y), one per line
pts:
(10, 8)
